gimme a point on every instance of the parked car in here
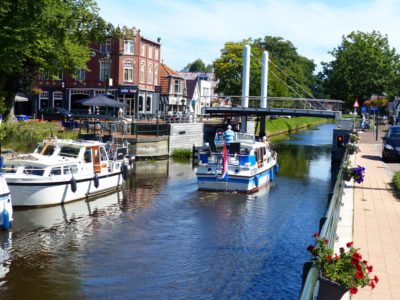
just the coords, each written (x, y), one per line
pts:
(55, 113)
(391, 144)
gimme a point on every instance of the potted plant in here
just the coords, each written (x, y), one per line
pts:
(340, 272)
(352, 148)
(355, 173)
(354, 138)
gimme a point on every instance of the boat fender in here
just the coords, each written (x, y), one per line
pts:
(6, 219)
(277, 168)
(256, 181)
(73, 184)
(124, 171)
(271, 175)
(96, 181)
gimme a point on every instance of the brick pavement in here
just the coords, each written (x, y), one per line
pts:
(376, 220)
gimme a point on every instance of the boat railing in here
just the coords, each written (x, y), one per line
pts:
(328, 226)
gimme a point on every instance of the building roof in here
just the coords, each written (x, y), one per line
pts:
(165, 74)
(190, 87)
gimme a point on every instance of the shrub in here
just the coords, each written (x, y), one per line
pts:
(396, 182)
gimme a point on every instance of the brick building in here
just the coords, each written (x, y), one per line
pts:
(127, 70)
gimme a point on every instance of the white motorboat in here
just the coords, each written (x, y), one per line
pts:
(246, 166)
(61, 171)
(6, 210)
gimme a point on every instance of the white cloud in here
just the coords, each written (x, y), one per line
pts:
(199, 29)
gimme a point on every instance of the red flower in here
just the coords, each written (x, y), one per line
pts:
(376, 279)
(326, 241)
(353, 290)
(341, 250)
(359, 275)
(336, 257)
(372, 284)
(315, 234)
(310, 248)
(370, 268)
(357, 256)
(365, 262)
(349, 244)
(359, 268)
(329, 258)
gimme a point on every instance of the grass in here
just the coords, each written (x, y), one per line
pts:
(182, 153)
(24, 136)
(284, 125)
(396, 182)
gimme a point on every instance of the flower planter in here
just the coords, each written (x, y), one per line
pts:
(346, 176)
(329, 290)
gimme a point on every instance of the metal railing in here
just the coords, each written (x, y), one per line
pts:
(328, 226)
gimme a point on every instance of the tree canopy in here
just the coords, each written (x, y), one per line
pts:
(44, 36)
(285, 67)
(363, 65)
(197, 66)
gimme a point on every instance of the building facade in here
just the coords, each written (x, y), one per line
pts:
(127, 70)
(173, 91)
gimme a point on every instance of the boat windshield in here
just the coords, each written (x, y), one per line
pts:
(47, 150)
(69, 151)
(33, 171)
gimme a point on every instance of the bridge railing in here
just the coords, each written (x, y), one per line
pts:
(284, 102)
(328, 226)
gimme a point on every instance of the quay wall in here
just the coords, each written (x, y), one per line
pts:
(185, 135)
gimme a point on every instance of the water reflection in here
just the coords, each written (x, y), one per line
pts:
(161, 238)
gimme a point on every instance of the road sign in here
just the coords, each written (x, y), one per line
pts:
(356, 104)
(363, 109)
(374, 108)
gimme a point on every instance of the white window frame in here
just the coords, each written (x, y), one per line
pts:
(81, 75)
(128, 70)
(143, 50)
(105, 70)
(177, 86)
(157, 54)
(129, 47)
(150, 55)
(57, 95)
(142, 70)
(156, 74)
(43, 96)
(149, 100)
(150, 74)
(106, 47)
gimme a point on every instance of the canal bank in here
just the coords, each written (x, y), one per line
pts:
(376, 219)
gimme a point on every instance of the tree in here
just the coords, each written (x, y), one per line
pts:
(197, 66)
(363, 65)
(285, 67)
(44, 36)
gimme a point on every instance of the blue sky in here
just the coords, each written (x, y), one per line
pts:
(192, 29)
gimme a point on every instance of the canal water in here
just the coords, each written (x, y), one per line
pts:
(160, 238)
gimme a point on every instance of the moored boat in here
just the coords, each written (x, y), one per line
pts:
(61, 171)
(244, 166)
(6, 210)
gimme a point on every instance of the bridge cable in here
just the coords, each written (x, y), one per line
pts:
(283, 81)
(279, 69)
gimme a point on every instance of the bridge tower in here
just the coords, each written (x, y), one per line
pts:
(245, 84)
(264, 90)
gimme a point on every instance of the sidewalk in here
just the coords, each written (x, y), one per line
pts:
(376, 220)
